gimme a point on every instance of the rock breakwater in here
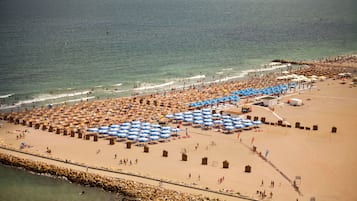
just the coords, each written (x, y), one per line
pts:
(125, 187)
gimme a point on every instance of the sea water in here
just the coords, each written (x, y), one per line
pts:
(18, 184)
(71, 50)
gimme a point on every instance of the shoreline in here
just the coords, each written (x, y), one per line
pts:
(308, 115)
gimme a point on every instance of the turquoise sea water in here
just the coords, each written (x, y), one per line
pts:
(19, 185)
(53, 51)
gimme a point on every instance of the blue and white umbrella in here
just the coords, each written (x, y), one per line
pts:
(145, 131)
(136, 126)
(198, 122)
(216, 115)
(155, 130)
(115, 126)
(257, 122)
(112, 133)
(114, 129)
(134, 130)
(165, 131)
(145, 128)
(197, 114)
(133, 133)
(135, 122)
(218, 122)
(188, 120)
(165, 136)
(122, 135)
(155, 126)
(248, 124)
(178, 118)
(154, 137)
(208, 123)
(207, 120)
(188, 116)
(104, 128)
(143, 135)
(206, 110)
(143, 139)
(207, 116)
(197, 111)
(175, 130)
(228, 124)
(154, 133)
(124, 127)
(169, 116)
(229, 127)
(197, 118)
(126, 124)
(178, 114)
(94, 130)
(226, 117)
(227, 121)
(206, 113)
(132, 137)
(103, 131)
(239, 126)
(246, 121)
(236, 119)
(146, 124)
(166, 128)
(187, 113)
(123, 131)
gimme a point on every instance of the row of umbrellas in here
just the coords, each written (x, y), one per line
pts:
(233, 98)
(205, 118)
(137, 131)
(277, 89)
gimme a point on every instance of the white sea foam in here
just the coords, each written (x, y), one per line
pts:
(148, 86)
(118, 85)
(197, 77)
(6, 96)
(43, 97)
(75, 100)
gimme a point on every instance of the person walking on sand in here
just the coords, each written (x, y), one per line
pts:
(115, 156)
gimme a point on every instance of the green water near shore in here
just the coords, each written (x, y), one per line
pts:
(20, 185)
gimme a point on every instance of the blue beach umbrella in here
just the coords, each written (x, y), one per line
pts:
(165, 136)
(115, 126)
(154, 133)
(165, 131)
(122, 135)
(169, 116)
(132, 137)
(94, 130)
(218, 122)
(103, 131)
(133, 133)
(143, 135)
(104, 128)
(155, 126)
(207, 123)
(154, 137)
(146, 124)
(198, 122)
(229, 127)
(136, 126)
(134, 130)
(112, 133)
(143, 139)
(155, 130)
(126, 124)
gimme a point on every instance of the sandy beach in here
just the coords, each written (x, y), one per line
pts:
(320, 162)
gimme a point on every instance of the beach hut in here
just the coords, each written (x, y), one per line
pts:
(247, 169)
(225, 164)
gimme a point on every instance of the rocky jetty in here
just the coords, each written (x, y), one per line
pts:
(124, 187)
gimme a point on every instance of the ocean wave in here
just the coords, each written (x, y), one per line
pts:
(43, 97)
(75, 100)
(6, 96)
(118, 85)
(149, 86)
(196, 77)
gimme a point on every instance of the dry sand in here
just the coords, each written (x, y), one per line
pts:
(325, 161)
